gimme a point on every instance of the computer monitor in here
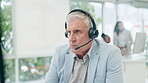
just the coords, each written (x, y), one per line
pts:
(139, 44)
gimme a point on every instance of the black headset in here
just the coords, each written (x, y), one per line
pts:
(93, 32)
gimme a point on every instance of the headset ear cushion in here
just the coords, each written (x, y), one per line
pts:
(66, 34)
(93, 33)
(90, 33)
(96, 33)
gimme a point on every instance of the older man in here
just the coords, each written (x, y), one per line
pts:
(84, 59)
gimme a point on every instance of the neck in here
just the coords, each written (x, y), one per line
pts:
(83, 53)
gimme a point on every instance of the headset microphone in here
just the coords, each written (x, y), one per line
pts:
(84, 44)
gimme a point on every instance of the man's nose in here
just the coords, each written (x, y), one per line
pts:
(72, 37)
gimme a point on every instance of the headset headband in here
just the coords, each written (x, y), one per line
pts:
(84, 12)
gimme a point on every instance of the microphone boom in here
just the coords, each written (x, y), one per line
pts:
(84, 44)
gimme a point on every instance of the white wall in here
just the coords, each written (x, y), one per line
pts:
(39, 25)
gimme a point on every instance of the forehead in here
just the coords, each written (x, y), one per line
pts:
(119, 23)
(76, 23)
(75, 19)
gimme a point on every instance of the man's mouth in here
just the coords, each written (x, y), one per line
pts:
(73, 46)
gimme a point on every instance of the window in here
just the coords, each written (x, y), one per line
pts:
(10, 70)
(144, 13)
(19, 68)
(132, 19)
(135, 20)
(7, 34)
(7, 39)
(33, 68)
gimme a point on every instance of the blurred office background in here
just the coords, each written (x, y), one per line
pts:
(32, 29)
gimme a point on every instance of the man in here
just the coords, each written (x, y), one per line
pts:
(84, 59)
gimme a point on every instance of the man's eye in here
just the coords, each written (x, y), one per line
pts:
(77, 31)
(68, 32)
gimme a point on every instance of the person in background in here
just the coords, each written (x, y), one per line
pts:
(84, 59)
(106, 38)
(122, 38)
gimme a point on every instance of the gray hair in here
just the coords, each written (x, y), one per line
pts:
(78, 14)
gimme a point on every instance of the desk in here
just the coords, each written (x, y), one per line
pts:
(135, 70)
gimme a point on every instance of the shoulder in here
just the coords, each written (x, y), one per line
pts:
(60, 52)
(107, 47)
(59, 55)
(108, 53)
(108, 50)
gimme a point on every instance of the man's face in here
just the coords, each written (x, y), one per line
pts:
(78, 35)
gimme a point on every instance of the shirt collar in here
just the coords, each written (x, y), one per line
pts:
(87, 54)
